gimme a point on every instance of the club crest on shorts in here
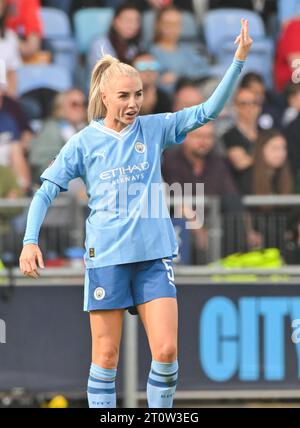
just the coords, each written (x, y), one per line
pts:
(140, 147)
(99, 293)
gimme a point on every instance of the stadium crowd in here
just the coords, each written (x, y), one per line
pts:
(181, 49)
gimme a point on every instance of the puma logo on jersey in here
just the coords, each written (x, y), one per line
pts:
(100, 154)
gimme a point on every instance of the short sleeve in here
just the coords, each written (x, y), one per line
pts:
(66, 166)
(177, 125)
(169, 135)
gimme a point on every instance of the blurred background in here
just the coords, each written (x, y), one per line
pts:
(237, 276)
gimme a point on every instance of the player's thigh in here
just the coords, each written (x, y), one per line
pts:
(106, 330)
(160, 320)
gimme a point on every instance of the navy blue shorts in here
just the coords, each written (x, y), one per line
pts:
(128, 285)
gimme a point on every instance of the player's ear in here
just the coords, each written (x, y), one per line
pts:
(104, 98)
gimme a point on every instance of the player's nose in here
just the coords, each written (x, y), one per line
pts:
(132, 102)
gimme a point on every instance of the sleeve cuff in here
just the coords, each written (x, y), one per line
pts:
(238, 61)
(30, 241)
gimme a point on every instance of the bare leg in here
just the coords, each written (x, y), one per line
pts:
(160, 319)
(106, 327)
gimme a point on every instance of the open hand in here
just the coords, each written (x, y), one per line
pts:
(244, 41)
(30, 258)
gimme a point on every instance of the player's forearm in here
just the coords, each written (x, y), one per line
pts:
(193, 117)
(215, 104)
(38, 209)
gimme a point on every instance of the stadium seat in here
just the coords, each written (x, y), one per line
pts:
(189, 32)
(49, 76)
(58, 36)
(287, 9)
(221, 26)
(56, 23)
(89, 23)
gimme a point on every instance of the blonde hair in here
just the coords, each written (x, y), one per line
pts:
(104, 71)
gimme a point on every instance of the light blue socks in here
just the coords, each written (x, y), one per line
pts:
(161, 384)
(101, 389)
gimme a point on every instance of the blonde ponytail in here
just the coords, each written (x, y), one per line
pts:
(105, 69)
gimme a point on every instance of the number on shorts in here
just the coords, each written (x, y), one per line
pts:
(170, 271)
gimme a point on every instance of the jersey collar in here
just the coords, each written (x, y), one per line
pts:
(99, 124)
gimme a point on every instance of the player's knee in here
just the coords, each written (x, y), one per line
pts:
(107, 357)
(166, 353)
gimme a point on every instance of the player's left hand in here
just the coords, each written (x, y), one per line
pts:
(244, 41)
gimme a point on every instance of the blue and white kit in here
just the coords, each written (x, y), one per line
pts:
(121, 171)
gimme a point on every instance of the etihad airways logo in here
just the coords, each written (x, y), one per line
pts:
(130, 169)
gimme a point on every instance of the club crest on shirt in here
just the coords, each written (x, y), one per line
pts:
(140, 147)
(99, 293)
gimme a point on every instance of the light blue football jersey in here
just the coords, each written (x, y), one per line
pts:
(129, 220)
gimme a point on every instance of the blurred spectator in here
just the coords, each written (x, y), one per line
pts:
(187, 94)
(123, 40)
(68, 117)
(24, 19)
(9, 49)
(175, 59)
(13, 108)
(292, 97)
(270, 172)
(264, 7)
(64, 5)
(9, 188)
(269, 175)
(11, 153)
(82, 4)
(155, 100)
(271, 108)
(240, 140)
(196, 161)
(287, 10)
(160, 4)
(292, 132)
(287, 54)
(142, 4)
